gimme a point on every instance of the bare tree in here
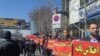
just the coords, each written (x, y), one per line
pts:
(43, 17)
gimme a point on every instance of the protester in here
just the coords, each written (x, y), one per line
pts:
(32, 48)
(8, 47)
(27, 45)
(93, 30)
(40, 46)
(49, 51)
(44, 47)
(57, 35)
(66, 35)
(22, 45)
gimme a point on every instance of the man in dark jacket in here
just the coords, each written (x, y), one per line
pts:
(93, 30)
(32, 48)
(9, 47)
(27, 45)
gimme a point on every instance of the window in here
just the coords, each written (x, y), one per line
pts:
(82, 2)
(86, 1)
(91, 1)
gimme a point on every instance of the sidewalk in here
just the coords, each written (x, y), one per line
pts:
(36, 53)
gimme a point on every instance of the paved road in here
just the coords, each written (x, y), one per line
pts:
(36, 53)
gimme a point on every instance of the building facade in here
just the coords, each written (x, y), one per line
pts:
(65, 16)
(89, 11)
(92, 10)
(74, 6)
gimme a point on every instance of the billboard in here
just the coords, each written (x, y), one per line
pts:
(8, 22)
(74, 11)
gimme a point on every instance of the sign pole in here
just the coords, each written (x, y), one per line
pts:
(85, 18)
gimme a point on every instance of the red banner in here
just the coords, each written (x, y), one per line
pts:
(51, 43)
(62, 48)
(31, 37)
(41, 41)
(83, 48)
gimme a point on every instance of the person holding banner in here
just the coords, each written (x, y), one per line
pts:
(57, 35)
(93, 29)
(66, 35)
(44, 46)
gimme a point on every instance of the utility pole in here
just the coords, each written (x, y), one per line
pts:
(65, 16)
(54, 29)
(85, 28)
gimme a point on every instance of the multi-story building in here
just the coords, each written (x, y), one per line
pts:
(65, 16)
(88, 10)
(92, 9)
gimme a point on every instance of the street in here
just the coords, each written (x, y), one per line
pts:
(36, 53)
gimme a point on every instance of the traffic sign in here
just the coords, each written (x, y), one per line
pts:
(56, 21)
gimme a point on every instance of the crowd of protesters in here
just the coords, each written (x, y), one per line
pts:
(93, 36)
(9, 47)
(14, 47)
